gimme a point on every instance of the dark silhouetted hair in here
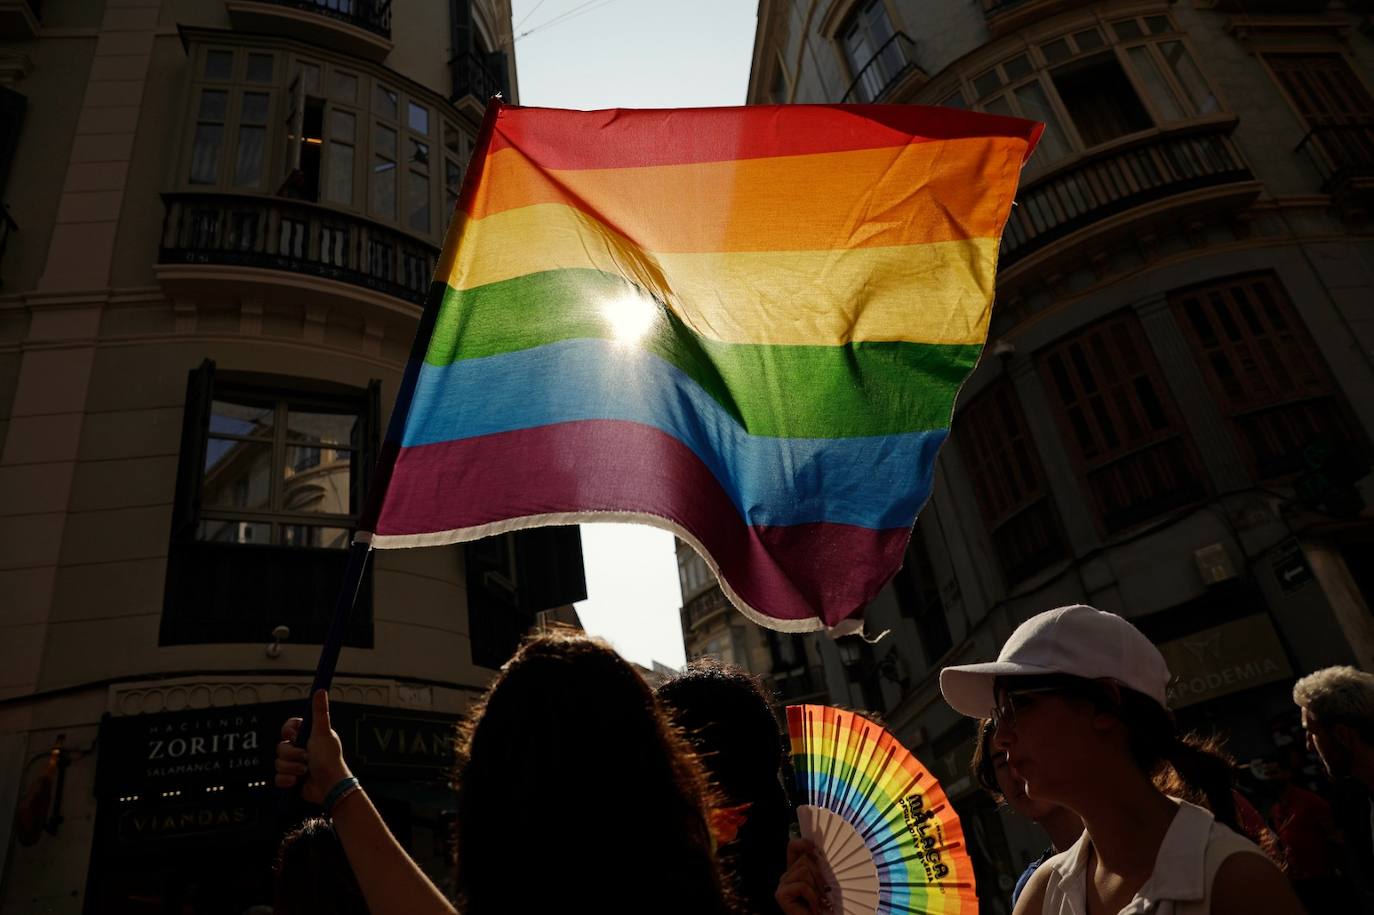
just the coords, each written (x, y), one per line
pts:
(313, 876)
(575, 794)
(982, 765)
(728, 716)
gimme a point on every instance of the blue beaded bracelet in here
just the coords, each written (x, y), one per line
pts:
(339, 792)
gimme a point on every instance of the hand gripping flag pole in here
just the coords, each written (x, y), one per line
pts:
(361, 546)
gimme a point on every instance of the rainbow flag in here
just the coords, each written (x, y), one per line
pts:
(744, 325)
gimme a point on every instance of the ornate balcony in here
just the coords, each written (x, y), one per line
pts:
(361, 27)
(704, 607)
(1270, 7)
(474, 81)
(1005, 16)
(1344, 156)
(1162, 175)
(892, 66)
(292, 237)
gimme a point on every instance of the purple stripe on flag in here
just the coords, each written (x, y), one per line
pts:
(617, 466)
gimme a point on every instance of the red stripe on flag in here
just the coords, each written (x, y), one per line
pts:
(615, 466)
(628, 137)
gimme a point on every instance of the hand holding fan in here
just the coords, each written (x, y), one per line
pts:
(888, 839)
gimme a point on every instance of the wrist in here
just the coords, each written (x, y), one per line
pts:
(339, 790)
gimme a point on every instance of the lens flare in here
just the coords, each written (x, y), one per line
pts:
(630, 316)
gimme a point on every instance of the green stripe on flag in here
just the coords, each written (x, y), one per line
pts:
(858, 389)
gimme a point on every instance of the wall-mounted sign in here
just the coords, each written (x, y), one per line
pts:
(1224, 659)
(233, 748)
(1290, 567)
(144, 823)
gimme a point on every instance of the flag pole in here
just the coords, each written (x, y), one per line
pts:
(386, 461)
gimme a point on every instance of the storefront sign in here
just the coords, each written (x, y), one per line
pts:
(1225, 659)
(406, 742)
(175, 821)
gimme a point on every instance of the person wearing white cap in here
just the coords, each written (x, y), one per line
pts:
(1079, 704)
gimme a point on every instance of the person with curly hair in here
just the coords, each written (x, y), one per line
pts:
(574, 794)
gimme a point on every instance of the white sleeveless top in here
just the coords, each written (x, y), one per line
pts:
(1181, 884)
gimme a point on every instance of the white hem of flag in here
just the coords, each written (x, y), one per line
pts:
(465, 534)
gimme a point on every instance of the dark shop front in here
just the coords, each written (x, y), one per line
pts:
(189, 822)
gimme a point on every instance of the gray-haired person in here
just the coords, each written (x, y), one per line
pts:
(1337, 706)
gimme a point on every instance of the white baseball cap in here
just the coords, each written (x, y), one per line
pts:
(1080, 641)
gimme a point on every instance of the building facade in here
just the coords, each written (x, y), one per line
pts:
(220, 220)
(1173, 416)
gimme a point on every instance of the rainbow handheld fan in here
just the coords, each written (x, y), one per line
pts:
(889, 841)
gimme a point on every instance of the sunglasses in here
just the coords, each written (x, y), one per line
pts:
(1005, 711)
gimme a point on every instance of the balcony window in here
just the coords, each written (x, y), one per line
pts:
(1119, 423)
(1265, 372)
(264, 123)
(271, 477)
(877, 54)
(1009, 482)
(918, 596)
(1337, 110)
(1090, 87)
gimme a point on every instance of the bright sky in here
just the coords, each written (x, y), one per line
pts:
(633, 54)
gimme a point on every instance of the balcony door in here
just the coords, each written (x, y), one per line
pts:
(1335, 105)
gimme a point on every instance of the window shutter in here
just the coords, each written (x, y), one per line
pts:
(195, 426)
(549, 570)
(12, 106)
(496, 64)
(295, 128)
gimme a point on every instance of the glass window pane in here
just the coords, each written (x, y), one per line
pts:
(260, 68)
(1127, 29)
(1088, 40)
(1178, 59)
(341, 125)
(384, 142)
(248, 161)
(453, 174)
(1036, 106)
(954, 101)
(384, 101)
(1155, 86)
(453, 139)
(987, 83)
(344, 87)
(384, 188)
(340, 188)
(999, 105)
(418, 118)
(1056, 50)
(254, 108)
(310, 427)
(417, 202)
(1017, 67)
(317, 480)
(217, 531)
(1158, 24)
(310, 75)
(237, 474)
(245, 417)
(330, 538)
(205, 153)
(419, 154)
(219, 65)
(213, 104)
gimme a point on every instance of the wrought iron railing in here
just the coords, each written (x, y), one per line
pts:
(1341, 152)
(703, 607)
(296, 237)
(892, 62)
(373, 15)
(472, 76)
(1111, 182)
(1266, 7)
